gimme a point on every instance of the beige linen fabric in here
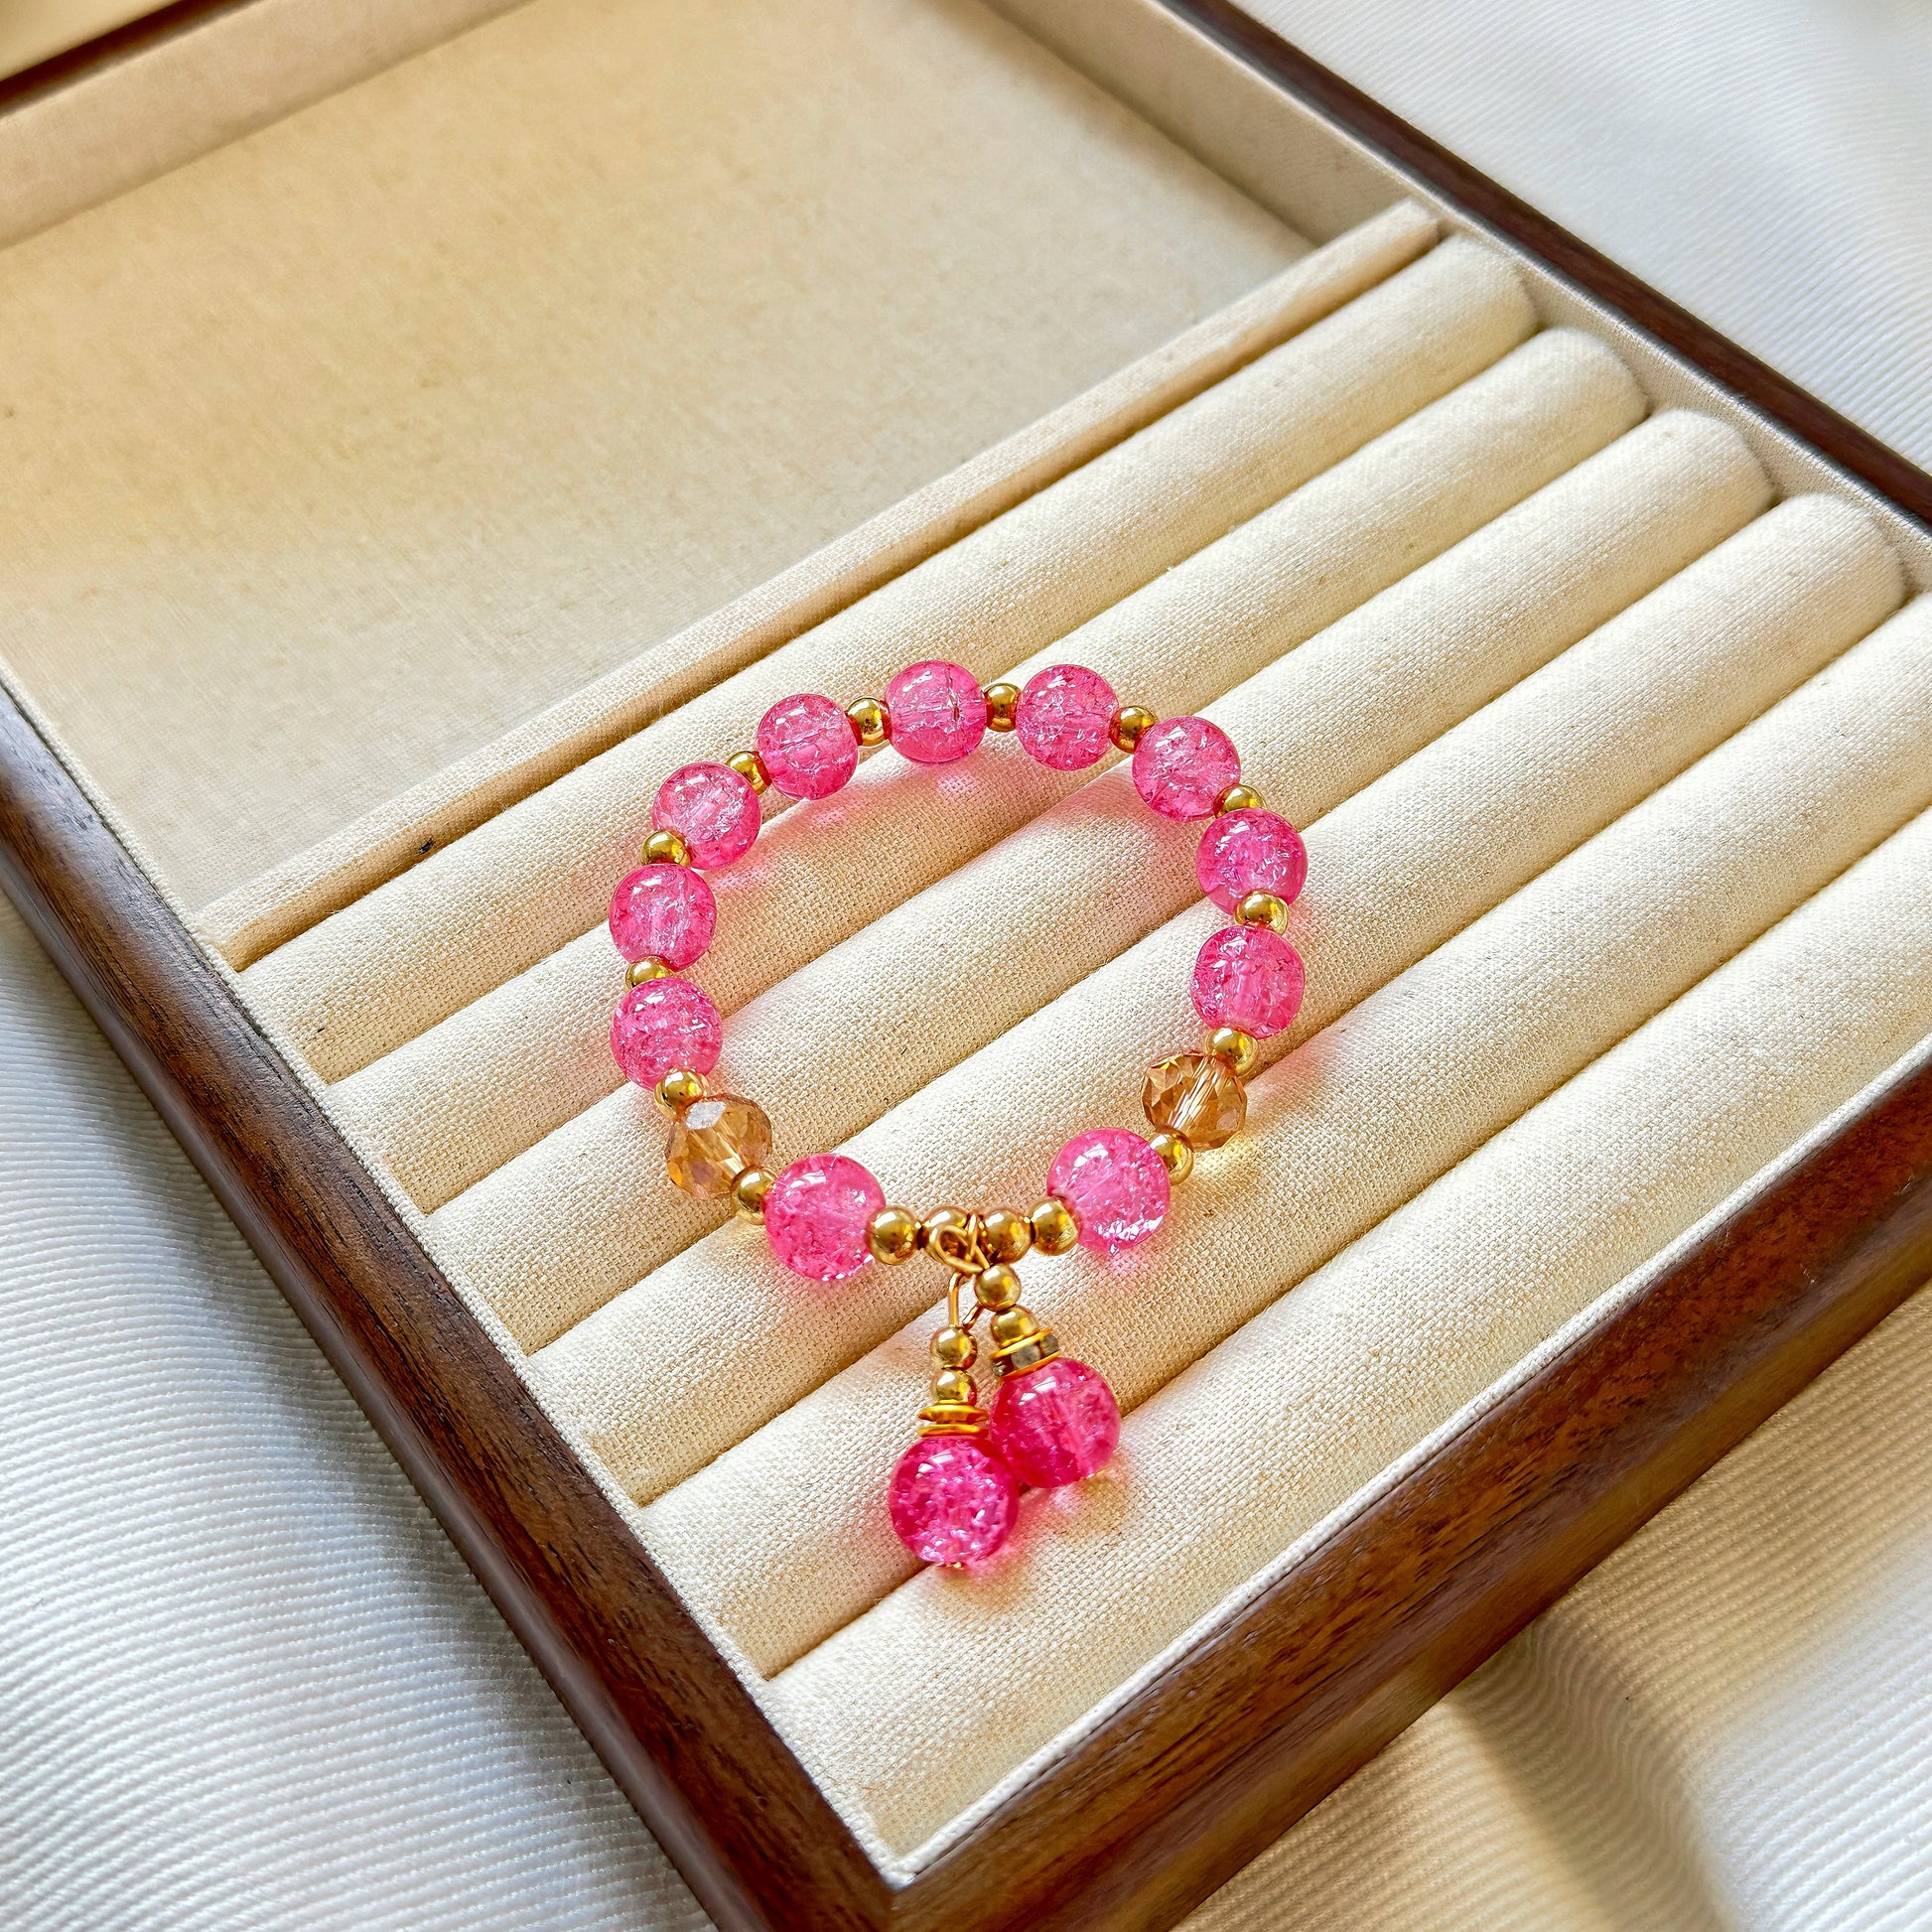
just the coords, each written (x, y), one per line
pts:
(1339, 1379)
(460, 1099)
(275, 905)
(539, 873)
(583, 1213)
(344, 449)
(1397, 869)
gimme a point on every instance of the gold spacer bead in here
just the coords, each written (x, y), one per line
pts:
(1002, 701)
(953, 1348)
(1177, 1153)
(748, 1192)
(1055, 1229)
(893, 1234)
(1239, 1052)
(1131, 722)
(750, 767)
(1262, 908)
(997, 1287)
(666, 848)
(1007, 1235)
(647, 968)
(1014, 1324)
(677, 1090)
(871, 724)
(1238, 798)
(953, 1387)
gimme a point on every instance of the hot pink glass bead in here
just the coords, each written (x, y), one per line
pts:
(952, 1500)
(1248, 977)
(807, 745)
(663, 1026)
(663, 913)
(1063, 717)
(815, 1216)
(712, 809)
(1183, 765)
(1247, 851)
(1056, 1424)
(938, 711)
(1116, 1186)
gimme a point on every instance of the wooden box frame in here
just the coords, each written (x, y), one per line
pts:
(1191, 1777)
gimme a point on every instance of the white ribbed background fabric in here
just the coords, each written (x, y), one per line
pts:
(245, 1682)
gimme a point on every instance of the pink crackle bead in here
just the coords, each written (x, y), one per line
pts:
(663, 913)
(1056, 1424)
(1248, 977)
(807, 745)
(1183, 765)
(712, 809)
(1250, 851)
(1064, 715)
(664, 1024)
(952, 1500)
(815, 1216)
(938, 711)
(1116, 1186)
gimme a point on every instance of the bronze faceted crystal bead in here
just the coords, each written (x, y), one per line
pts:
(714, 1141)
(1194, 1095)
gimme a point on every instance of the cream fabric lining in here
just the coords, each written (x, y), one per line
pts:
(341, 450)
(1552, 690)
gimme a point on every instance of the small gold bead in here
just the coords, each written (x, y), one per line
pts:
(1007, 1235)
(1177, 1156)
(953, 1386)
(647, 968)
(997, 1286)
(750, 767)
(677, 1090)
(1130, 724)
(1262, 908)
(893, 1234)
(1236, 1051)
(1001, 700)
(1054, 1228)
(953, 1348)
(871, 724)
(748, 1192)
(666, 848)
(1014, 1324)
(1238, 798)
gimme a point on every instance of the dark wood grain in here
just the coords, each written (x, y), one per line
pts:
(1205, 1766)
(1748, 377)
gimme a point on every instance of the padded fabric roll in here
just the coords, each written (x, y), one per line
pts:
(1220, 1472)
(587, 1211)
(464, 1097)
(658, 1399)
(536, 876)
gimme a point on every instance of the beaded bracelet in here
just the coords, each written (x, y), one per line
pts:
(954, 1494)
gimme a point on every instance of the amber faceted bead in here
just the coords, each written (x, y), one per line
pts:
(714, 1141)
(1194, 1095)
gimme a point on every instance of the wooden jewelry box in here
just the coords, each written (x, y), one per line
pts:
(400, 490)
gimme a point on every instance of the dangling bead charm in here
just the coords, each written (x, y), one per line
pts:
(1055, 1421)
(952, 1499)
